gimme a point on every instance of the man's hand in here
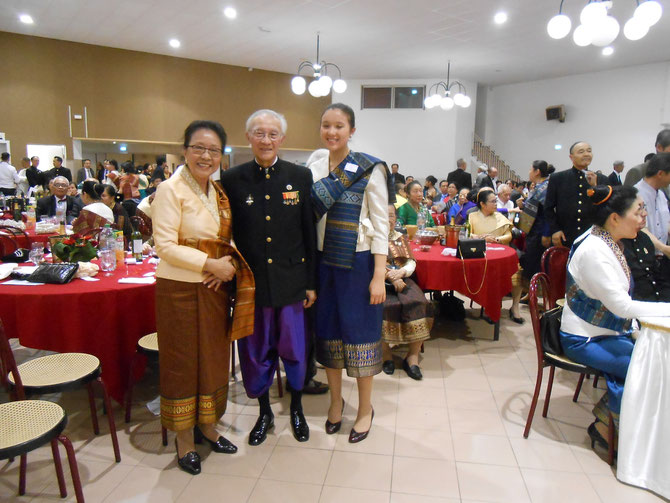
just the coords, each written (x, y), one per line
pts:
(310, 299)
(557, 238)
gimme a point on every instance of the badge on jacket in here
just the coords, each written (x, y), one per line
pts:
(250, 200)
(291, 198)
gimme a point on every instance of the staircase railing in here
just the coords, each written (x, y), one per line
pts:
(487, 155)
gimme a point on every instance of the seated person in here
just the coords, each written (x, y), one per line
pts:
(95, 213)
(505, 204)
(444, 204)
(466, 205)
(121, 219)
(597, 320)
(649, 282)
(400, 195)
(408, 315)
(58, 203)
(129, 182)
(407, 213)
(489, 224)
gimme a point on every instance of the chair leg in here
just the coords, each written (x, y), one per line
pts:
(74, 469)
(610, 440)
(23, 463)
(94, 411)
(59, 468)
(595, 381)
(131, 382)
(110, 418)
(232, 359)
(533, 402)
(280, 387)
(164, 435)
(578, 388)
(547, 397)
(422, 350)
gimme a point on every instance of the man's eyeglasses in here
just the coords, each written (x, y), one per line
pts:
(272, 135)
(61, 185)
(199, 150)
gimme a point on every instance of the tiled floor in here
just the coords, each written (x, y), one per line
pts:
(456, 436)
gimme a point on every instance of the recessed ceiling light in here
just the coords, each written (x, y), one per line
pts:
(608, 51)
(500, 17)
(230, 12)
(25, 18)
(175, 43)
(228, 150)
(558, 146)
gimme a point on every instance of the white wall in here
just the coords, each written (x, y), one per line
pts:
(619, 112)
(422, 142)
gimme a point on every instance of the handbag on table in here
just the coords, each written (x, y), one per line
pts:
(57, 274)
(471, 248)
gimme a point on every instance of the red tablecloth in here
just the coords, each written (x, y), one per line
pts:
(437, 272)
(34, 238)
(104, 318)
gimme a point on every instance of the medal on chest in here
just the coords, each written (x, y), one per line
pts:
(250, 200)
(291, 198)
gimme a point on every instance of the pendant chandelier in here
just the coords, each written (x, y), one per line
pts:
(322, 83)
(440, 94)
(599, 28)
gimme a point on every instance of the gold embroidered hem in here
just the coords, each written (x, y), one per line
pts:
(406, 332)
(360, 360)
(182, 413)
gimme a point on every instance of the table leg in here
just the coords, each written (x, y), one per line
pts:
(496, 331)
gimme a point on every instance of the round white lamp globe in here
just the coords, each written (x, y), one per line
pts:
(581, 36)
(634, 29)
(458, 99)
(466, 101)
(314, 88)
(649, 12)
(326, 82)
(298, 85)
(339, 86)
(593, 12)
(446, 103)
(605, 31)
(559, 26)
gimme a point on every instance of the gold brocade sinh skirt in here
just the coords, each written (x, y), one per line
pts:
(194, 352)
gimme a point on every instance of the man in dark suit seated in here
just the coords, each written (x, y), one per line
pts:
(395, 176)
(58, 204)
(273, 227)
(460, 177)
(85, 172)
(615, 176)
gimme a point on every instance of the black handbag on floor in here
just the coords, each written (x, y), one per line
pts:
(550, 325)
(471, 248)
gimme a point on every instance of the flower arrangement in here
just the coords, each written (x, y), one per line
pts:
(75, 248)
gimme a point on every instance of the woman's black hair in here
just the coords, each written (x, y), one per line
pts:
(114, 163)
(128, 167)
(110, 190)
(431, 179)
(543, 167)
(92, 189)
(213, 126)
(346, 110)
(411, 184)
(481, 197)
(607, 200)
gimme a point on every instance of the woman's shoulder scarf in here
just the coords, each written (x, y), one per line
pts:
(530, 207)
(340, 194)
(591, 310)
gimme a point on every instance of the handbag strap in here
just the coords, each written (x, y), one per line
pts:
(465, 277)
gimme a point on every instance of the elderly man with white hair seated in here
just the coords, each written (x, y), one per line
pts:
(58, 204)
(504, 203)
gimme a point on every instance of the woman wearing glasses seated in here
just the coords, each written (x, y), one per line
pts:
(192, 231)
(597, 320)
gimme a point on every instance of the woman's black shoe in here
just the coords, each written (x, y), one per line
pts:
(190, 462)
(388, 367)
(332, 428)
(596, 437)
(414, 371)
(515, 320)
(355, 437)
(221, 445)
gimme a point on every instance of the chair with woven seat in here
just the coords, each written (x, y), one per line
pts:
(148, 347)
(26, 425)
(53, 373)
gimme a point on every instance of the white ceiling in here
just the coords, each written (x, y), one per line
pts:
(366, 38)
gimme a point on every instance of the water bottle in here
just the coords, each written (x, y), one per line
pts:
(421, 218)
(107, 239)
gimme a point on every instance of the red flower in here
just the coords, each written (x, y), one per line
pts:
(69, 241)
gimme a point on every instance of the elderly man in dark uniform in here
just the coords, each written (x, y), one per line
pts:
(273, 227)
(568, 208)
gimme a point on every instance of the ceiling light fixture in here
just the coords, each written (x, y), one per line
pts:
(26, 19)
(599, 28)
(230, 12)
(174, 43)
(608, 51)
(500, 18)
(322, 83)
(439, 94)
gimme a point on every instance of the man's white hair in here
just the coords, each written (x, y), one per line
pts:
(272, 113)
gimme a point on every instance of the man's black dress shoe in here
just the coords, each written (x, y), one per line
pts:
(314, 387)
(355, 437)
(299, 426)
(221, 445)
(259, 432)
(332, 428)
(414, 371)
(189, 462)
(388, 367)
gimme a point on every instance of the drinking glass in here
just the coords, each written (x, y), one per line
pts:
(107, 261)
(36, 253)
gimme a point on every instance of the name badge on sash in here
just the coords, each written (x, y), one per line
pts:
(351, 167)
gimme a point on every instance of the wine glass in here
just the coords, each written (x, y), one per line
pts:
(36, 253)
(107, 261)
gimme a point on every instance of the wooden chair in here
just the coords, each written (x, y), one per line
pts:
(26, 425)
(148, 347)
(57, 372)
(554, 264)
(7, 244)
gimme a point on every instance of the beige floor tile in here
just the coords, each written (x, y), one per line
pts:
(249, 461)
(487, 449)
(295, 464)
(360, 471)
(558, 487)
(275, 491)
(40, 474)
(332, 494)
(612, 491)
(541, 428)
(422, 395)
(470, 400)
(491, 483)
(466, 379)
(209, 487)
(416, 443)
(592, 462)
(427, 477)
(380, 440)
(543, 455)
(145, 484)
(574, 429)
(417, 416)
(415, 498)
(318, 438)
(476, 421)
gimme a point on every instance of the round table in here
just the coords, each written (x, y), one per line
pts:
(104, 318)
(644, 436)
(22, 242)
(435, 271)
